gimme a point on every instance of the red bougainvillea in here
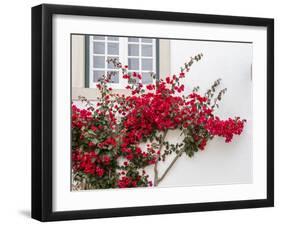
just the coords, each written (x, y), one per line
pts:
(107, 136)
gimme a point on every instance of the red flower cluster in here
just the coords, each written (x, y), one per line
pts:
(126, 182)
(225, 128)
(141, 180)
(89, 162)
(80, 117)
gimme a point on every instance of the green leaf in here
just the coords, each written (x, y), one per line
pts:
(91, 132)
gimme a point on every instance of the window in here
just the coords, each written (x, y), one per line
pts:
(141, 57)
(103, 48)
(138, 53)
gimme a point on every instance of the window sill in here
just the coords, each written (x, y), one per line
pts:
(93, 93)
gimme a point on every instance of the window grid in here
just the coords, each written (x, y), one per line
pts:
(106, 69)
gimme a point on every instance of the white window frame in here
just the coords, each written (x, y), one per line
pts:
(123, 58)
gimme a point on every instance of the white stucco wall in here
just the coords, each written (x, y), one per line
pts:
(219, 163)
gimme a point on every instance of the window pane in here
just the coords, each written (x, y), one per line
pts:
(133, 64)
(99, 37)
(98, 75)
(133, 80)
(111, 65)
(146, 50)
(114, 76)
(146, 64)
(111, 38)
(133, 39)
(99, 47)
(99, 61)
(146, 78)
(113, 48)
(133, 50)
(146, 40)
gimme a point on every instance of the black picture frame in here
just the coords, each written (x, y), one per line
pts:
(42, 111)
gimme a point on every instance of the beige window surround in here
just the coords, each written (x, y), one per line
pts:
(78, 67)
(164, 57)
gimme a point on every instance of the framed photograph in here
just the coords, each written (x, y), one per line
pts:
(146, 112)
